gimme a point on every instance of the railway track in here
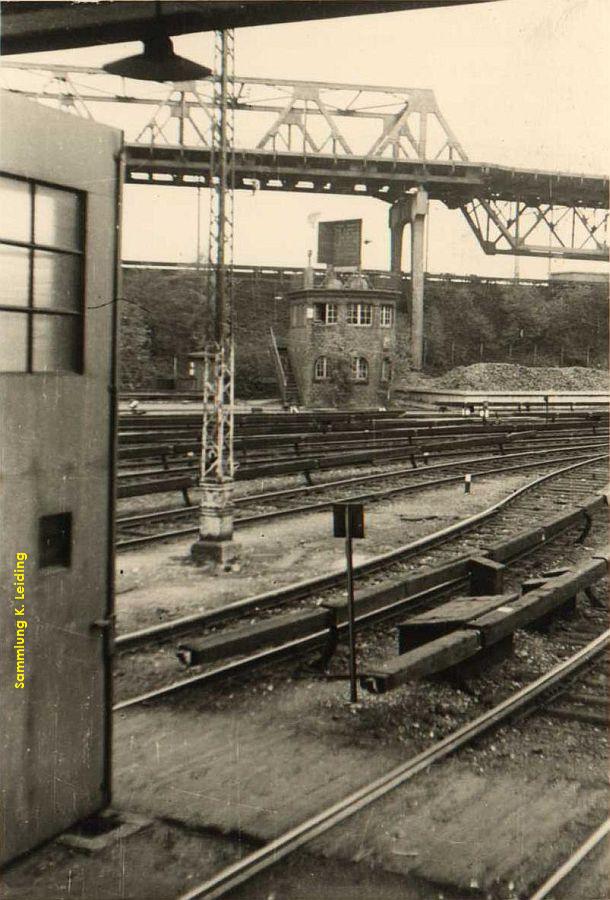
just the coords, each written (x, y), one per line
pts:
(551, 493)
(272, 504)
(281, 441)
(446, 552)
(142, 461)
(418, 451)
(280, 436)
(547, 889)
(532, 695)
(585, 699)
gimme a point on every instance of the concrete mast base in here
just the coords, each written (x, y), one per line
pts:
(219, 554)
(215, 545)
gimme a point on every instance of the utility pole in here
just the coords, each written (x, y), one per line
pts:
(215, 543)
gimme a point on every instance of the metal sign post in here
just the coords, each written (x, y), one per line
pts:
(348, 520)
(353, 684)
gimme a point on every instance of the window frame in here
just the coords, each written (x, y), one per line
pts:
(356, 363)
(319, 307)
(326, 375)
(30, 311)
(386, 310)
(327, 317)
(331, 315)
(356, 311)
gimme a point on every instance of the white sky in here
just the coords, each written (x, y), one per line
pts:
(521, 82)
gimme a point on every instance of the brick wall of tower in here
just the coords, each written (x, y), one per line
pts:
(308, 341)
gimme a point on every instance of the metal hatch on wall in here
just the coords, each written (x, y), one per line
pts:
(59, 196)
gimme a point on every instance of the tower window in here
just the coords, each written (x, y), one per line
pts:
(387, 316)
(325, 313)
(359, 314)
(386, 370)
(360, 368)
(320, 369)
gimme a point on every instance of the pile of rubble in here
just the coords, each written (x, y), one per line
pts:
(507, 377)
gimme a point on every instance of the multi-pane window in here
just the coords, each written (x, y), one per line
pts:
(41, 277)
(320, 369)
(360, 368)
(325, 313)
(331, 313)
(386, 316)
(359, 314)
(386, 370)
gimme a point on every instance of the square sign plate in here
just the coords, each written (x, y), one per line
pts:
(339, 242)
(348, 514)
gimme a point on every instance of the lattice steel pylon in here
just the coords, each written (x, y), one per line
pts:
(215, 543)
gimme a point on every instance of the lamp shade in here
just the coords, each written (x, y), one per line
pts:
(158, 62)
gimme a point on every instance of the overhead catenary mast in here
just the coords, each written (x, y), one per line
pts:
(215, 543)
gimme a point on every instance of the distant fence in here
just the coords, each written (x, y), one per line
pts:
(448, 354)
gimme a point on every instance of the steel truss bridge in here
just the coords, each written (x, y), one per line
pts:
(315, 137)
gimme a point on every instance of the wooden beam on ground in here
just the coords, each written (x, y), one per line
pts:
(426, 660)
(249, 638)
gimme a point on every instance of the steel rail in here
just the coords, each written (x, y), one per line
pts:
(183, 463)
(302, 589)
(237, 667)
(279, 433)
(289, 649)
(419, 416)
(358, 479)
(369, 435)
(570, 864)
(265, 465)
(321, 505)
(412, 602)
(243, 870)
(247, 499)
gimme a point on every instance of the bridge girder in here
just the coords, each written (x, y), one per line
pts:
(544, 230)
(335, 138)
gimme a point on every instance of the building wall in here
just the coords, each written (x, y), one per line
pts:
(308, 340)
(55, 452)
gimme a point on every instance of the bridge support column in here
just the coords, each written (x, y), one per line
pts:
(419, 209)
(412, 209)
(396, 233)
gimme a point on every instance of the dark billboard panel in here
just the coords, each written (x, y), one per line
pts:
(339, 242)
